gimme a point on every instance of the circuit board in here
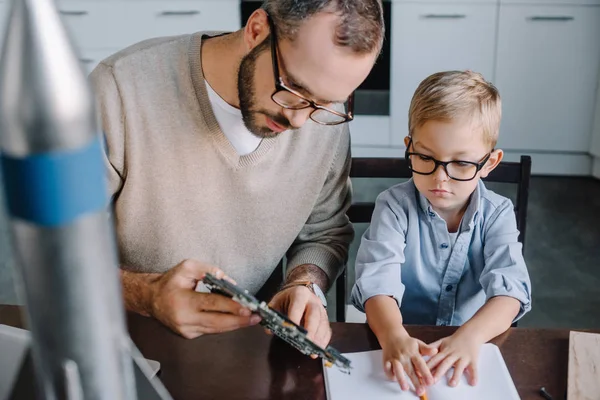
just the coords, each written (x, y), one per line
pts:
(279, 324)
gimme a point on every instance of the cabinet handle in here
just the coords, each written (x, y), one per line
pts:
(86, 60)
(73, 13)
(183, 12)
(444, 16)
(551, 18)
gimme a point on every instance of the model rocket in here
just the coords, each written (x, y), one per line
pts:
(51, 153)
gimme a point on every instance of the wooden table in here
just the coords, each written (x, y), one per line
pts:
(248, 364)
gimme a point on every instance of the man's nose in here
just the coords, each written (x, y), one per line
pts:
(297, 118)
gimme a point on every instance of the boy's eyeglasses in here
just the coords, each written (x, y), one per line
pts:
(293, 100)
(458, 170)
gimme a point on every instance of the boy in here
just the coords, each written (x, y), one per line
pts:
(441, 248)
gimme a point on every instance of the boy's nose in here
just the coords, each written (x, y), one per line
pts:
(440, 174)
(297, 118)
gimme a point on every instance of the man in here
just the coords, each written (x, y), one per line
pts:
(233, 151)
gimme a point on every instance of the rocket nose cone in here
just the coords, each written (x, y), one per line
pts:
(45, 100)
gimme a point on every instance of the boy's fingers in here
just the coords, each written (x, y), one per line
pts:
(422, 371)
(472, 374)
(399, 374)
(443, 367)
(459, 368)
(435, 360)
(410, 371)
(387, 368)
(436, 344)
(426, 349)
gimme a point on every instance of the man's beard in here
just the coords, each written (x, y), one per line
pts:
(246, 93)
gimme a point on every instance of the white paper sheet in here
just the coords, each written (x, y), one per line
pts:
(368, 381)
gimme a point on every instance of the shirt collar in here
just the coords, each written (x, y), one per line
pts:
(470, 213)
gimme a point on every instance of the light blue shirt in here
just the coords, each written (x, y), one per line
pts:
(407, 253)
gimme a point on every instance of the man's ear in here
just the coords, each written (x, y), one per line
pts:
(495, 159)
(256, 29)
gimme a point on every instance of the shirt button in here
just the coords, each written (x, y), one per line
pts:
(444, 245)
(449, 288)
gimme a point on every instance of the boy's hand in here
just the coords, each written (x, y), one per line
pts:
(460, 351)
(404, 354)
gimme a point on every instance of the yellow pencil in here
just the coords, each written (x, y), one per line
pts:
(424, 395)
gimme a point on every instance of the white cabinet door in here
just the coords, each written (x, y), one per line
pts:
(428, 38)
(595, 145)
(547, 73)
(4, 11)
(117, 24)
(552, 2)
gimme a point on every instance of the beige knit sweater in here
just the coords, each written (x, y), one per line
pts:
(181, 191)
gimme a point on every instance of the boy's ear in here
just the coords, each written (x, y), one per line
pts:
(406, 141)
(495, 159)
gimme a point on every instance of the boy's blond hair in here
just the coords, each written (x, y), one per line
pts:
(445, 96)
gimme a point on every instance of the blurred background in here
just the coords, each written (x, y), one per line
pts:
(544, 57)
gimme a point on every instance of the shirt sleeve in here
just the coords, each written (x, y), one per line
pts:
(326, 236)
(381, 254)
(111, 120)
(505, 272)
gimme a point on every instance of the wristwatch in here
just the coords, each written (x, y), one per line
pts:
(313, 288)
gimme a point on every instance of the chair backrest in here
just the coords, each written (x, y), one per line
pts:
(506, 172)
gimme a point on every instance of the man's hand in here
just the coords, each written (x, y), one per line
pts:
(175, 303)
(404, 354)
(459, 351)
(304, 308)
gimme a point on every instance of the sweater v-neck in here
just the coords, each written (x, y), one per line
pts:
(218, 137)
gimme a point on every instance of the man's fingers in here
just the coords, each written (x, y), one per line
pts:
(216, 302)
(472, 374)
(196, 270)
(443, 367)
(312, 319)
(296, 308)
(323, 335)
(216, 322)
(422, 370)
(398, 372)
(459, 368)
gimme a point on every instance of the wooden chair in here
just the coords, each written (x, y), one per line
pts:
(507, 172)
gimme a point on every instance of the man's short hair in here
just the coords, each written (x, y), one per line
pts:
(361, 26)
(445, 96)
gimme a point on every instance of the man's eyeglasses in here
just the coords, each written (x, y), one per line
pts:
(458, 170)
(291, 99)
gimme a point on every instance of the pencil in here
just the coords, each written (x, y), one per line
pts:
(424, 395)
(545, 394)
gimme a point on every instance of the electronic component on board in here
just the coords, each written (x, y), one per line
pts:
(279, 324)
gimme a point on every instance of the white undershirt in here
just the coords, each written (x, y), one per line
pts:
(231, 123)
